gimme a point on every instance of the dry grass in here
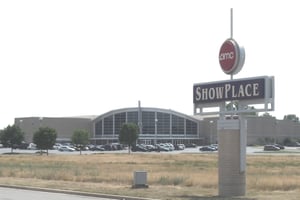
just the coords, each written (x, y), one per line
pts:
(180, 176)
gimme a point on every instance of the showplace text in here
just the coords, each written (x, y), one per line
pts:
(229, 90)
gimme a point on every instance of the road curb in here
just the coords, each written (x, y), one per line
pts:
(89, 194)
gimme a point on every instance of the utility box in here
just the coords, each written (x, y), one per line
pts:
(140, 179)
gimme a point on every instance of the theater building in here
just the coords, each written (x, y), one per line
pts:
(158, 125)
(155, 126)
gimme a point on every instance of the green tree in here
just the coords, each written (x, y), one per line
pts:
(129, 134)
(80, 138)
(266, 114)
(45, 138)
(291, 117)
(11, 136)
(234, 106)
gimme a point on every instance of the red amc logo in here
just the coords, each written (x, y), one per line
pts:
(230, 57)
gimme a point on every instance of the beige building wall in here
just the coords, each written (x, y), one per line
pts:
(260, 130)
(64, 127)
(268, 129)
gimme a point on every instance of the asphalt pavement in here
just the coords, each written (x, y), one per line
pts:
(17, 194)
(30, 193)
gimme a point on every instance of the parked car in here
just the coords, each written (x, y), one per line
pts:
(279, 145)
(162, 147)
(271, 148)
(108, 147)
(56, 146)
(293, 144)
(216, 146)
(150, 147)
(66, 148)
(139, 147)
(179, 146)
(96, 148)
(116, 146)
(207, 148)
(23, 145)
(31, 146)
(191, 145)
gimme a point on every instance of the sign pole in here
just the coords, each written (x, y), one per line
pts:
(231, 23)
(231, 32)
(232, 147)
(232, 131)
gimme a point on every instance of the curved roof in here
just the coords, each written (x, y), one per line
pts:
(145, 109)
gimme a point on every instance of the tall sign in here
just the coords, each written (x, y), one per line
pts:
(231, 57)
(256, 93)
(244, 92)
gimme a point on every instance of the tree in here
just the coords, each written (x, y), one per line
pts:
(129, 134)
(291, 117)
(234, 106)
(11, 136)
(266, 114)
(80, 138)
(45, 138)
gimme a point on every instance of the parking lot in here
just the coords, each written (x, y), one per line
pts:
(250, 150)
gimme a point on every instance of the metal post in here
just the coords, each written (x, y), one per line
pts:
(210, 130)
(155, 142)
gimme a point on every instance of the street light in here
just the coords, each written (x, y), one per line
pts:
(156, 120)
(210, 130)
(20, 123)
(276, 132)
(41, 121)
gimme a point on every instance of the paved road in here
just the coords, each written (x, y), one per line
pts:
(19, 194)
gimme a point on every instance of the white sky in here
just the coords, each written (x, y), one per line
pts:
(68, 58)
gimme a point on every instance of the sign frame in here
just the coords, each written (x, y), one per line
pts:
(265, 103)
(231, 57)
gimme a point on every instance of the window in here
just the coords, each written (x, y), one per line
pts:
(191, 127)
(163, 123)
(148, 122)
(132, 117)
(177, 125)
(120, 119)
(108, 125)
(98, 127)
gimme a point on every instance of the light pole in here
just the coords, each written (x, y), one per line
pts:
(210, 130)
(41, 121)
(20, 123)
(276, 131)
(155, 141)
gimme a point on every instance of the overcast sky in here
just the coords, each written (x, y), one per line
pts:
(63, 58)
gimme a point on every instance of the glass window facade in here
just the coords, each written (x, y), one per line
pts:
(148, 122)
(177, 125)
(98, 128)
(132, 117)
(191, 127)
(108, 125)
(163, 123)
(154, 122)
(120, 119)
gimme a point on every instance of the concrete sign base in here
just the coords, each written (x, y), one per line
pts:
(232, 180)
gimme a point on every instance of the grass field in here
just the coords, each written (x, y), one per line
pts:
(176, 176)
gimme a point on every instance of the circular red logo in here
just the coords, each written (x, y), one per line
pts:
(229, 56)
